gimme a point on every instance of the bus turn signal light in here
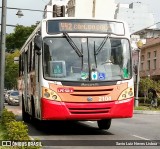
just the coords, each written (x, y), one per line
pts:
(128, 93)
(50, 94)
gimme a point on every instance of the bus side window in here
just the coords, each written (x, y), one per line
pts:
(30, 56)
(28, 59)
(46, 58)
(20, 63)
(33, 58)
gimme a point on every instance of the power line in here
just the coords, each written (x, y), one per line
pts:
(24, 9)
(10, 25)
(27, 9)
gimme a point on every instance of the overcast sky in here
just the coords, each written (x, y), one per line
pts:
(153, 5)
(31, 17)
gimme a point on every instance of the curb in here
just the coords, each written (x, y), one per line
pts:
(145, 112)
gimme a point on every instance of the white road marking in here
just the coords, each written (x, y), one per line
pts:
(140, 137)
(90, 122)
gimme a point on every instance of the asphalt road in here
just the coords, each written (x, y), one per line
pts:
(123, 133)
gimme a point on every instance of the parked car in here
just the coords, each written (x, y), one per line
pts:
(13, 98)
(5, 92)
(7, 95)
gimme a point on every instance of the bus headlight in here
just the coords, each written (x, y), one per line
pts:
(54, 97)
(46, 94)
(50, 94)
(124, 95)
(128, 93)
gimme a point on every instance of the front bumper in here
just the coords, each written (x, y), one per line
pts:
(52, 110)
(14, 102)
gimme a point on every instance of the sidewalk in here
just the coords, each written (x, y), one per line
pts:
(146, 112)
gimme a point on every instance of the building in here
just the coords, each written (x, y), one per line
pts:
(150, 52)
(80, 8)
(49, 10)
(150, 59)
(136, 14)
(104, 9)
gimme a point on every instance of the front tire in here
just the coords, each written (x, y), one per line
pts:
(33, 118)
(104, 124)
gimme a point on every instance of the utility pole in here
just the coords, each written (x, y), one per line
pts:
(2, 53)
(139, 45)
(138, 78)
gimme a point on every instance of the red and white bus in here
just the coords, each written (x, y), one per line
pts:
(77, 69)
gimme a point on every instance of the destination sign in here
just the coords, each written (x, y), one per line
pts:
(85, 26)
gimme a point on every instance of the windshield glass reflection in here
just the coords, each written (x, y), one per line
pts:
(89, 59)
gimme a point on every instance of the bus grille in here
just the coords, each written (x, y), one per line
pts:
(93, 92)
(88, 111)
(88, 108)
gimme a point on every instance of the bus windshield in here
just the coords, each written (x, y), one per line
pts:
(86, 58)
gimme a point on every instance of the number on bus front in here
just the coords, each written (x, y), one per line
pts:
(105, 98)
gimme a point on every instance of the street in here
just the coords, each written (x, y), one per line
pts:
(142, 127)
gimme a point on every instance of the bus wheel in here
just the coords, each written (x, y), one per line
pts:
(104, 124)
(33, 118)
(25, 115)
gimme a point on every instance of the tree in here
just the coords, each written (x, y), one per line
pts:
(146, 84)
(11, 70)
(17, 39)
(14, 41)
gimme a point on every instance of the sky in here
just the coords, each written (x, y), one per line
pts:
(31, 17)
(153, 6)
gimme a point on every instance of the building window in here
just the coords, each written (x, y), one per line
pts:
(154, 64)
(142, 58)
(148, 54)
(155, 53)
(142, 66)
(148, 65)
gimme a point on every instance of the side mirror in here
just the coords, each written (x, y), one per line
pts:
(38, 43)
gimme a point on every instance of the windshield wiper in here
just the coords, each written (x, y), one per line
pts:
(95, 59)
(101, 45)
(73, 45)
(82, 54)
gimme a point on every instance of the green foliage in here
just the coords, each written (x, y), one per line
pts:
(7, 117)
(17, 39)
(11, 70)
(144, 100)
(17, 130)
(141, 108)
(2, 132)
(150, 95)
(157, 86)
(145, 84)
(158, 102)
(147, 101)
